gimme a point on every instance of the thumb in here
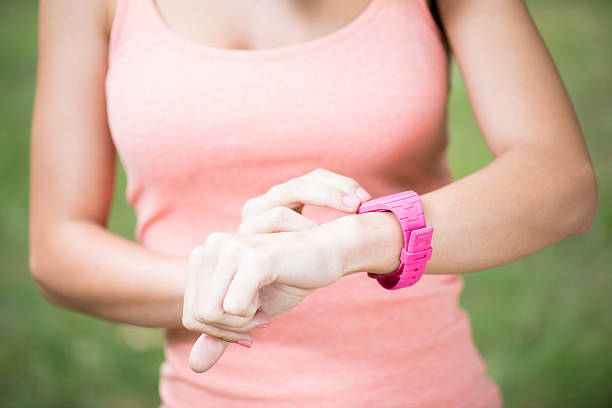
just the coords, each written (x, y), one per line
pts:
(205, 352)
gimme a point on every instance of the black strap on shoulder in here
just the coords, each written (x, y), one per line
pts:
(435, 13)
(433, 6)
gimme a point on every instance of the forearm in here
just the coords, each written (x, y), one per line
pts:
(82, 266)
(524, 201)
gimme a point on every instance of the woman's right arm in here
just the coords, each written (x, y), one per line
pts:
(75, 261)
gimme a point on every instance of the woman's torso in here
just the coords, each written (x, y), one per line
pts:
(201, 129)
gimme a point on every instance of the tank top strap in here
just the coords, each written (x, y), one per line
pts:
(140, 19)
(428, 16)
(132, 18)
(117, 25)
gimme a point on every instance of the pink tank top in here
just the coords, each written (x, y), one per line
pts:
(201, 129)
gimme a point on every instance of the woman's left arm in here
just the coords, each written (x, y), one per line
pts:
(540, 189)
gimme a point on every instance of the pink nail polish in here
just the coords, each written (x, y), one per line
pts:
(350, 201)
(262, 326)
(363, 194)
(244, 343)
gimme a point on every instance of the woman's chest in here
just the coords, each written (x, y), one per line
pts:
(240, 24)
(372, 98)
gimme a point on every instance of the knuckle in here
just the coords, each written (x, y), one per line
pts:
(232, 248)
(228, 337)
(213, 239)
(189, 323)
(242, 329)
(246, 209)
(231, 309)
(275, 187)
(319, 171)
(250, 310)
(208, 251)
(243, 228)
(293, 188)
(239, 325)
(294, 183)
(279, 215)
(195, 256)
(207, 315)
(219, 335)
(351, 183)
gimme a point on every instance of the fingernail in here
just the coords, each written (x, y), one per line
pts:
(364, 195)
(350, 201)
(244, 343)
(262, 326)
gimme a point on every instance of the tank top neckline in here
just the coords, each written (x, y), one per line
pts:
(366, 15)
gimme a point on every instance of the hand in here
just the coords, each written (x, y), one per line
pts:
(227, 272)
(319, 187)
(262, 215)
(273, 299)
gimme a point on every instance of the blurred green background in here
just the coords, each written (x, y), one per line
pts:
(541, 323)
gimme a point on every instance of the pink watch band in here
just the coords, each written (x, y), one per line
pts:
(408, 208)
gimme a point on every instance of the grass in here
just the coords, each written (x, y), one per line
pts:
(541, 323)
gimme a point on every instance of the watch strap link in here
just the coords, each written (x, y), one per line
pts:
(408, 208)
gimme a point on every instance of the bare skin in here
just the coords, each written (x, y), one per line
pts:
(540, 188)
(248, 24)
(71, 188)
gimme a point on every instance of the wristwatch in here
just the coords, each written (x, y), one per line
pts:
(408, 208)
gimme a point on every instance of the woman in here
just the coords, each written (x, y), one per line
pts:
(251, 132)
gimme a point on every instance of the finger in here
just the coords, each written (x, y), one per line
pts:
(342, 182)
(208, 349)
(276, 219)
(208, 306)
(204, 279)
(260, 318)
(243, 288)
(224, 334)
(211, 311)
(193, 264)
(252, 308)
(206, 352)
(299, 191)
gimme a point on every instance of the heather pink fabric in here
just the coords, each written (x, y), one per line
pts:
(201, 129)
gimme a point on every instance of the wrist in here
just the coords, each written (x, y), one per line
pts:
(369, 242)
(326, 240)
(379, 240)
